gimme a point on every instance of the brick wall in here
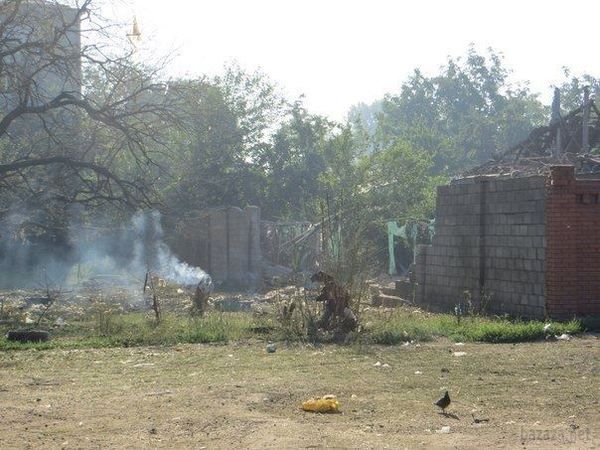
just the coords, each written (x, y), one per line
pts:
(573, 230)
(490, 238)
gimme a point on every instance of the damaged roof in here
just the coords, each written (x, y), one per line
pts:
(559, 143)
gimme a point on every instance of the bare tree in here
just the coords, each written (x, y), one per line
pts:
(80, 122)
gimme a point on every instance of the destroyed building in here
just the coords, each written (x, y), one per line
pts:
(520, 235)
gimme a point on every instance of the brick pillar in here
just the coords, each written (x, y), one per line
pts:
(561, 243)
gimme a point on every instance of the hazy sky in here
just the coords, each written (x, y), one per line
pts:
(340, 52)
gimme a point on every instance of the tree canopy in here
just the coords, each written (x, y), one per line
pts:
(83, 126)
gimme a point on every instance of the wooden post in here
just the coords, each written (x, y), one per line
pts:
(555, 119)
(585, 140)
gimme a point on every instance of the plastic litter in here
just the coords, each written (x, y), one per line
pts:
(325, 404)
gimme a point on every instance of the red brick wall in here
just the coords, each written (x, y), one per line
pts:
(573, 244)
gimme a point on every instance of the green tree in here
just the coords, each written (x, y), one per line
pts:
(572, 87)
(462, 115)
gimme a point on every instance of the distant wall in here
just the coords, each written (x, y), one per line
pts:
(225, 242)
(491, 238)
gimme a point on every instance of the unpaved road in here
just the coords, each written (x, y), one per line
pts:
(538, 395)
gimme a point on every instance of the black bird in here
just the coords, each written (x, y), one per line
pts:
(443, 402)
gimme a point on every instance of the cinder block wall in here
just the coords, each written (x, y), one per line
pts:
(491, 239)
(225, 242)
(573, 253)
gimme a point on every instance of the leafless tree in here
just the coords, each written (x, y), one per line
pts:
(80, 121)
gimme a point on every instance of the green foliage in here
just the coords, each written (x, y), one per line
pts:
(462, 115)
(407, 325)
(571, 89)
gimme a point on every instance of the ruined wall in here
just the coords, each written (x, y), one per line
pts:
(225, 242)
(490, 238)
(573, 253)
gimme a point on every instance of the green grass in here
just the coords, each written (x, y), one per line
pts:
(132, 330)
(408, 325)
(404, 324)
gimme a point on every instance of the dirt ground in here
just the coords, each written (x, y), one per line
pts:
(538, 395)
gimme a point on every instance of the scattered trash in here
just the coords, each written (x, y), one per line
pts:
(459, 353)
(377, 364)
(271, 348)
(460, 344)
(547, 327)
(180, 291)
(443, 430)
(418, 372)
(27, 336)
(563, 337)
(325, 404)
(143, 365)
(385, 366)
(479, 421)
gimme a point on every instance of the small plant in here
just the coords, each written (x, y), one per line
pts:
(485, 299)
(149, 283)
(299, 318)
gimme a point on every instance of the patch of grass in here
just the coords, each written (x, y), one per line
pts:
(407, 325)
(402, 325)
(132, 330)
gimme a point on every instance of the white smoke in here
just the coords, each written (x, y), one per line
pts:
(122, 255)
(151, 249)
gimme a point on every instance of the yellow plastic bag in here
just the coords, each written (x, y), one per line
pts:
(325, 404)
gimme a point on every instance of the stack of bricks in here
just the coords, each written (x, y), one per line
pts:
(489, 241)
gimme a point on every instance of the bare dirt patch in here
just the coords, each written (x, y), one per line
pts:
(537, 395)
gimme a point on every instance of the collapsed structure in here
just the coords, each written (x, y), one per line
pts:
(521, 234)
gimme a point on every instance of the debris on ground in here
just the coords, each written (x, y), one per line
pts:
(479, 421)
(390, 292)
(563, 337)
(27, 336)
(60, 322)
(276, 275)
(325, 404)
